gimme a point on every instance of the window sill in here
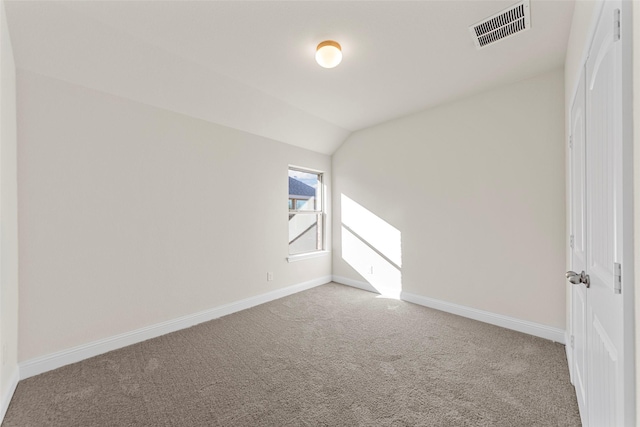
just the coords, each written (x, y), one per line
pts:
(300, 257)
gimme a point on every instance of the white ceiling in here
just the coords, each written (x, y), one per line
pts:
(250, 65)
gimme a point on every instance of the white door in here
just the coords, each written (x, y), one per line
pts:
(578, 224)
(604, 304)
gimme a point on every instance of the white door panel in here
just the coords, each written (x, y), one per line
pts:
(603, 232)
(580, 350)
(578, 225)
(596, 227)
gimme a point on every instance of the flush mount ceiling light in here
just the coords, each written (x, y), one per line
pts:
(328, 54)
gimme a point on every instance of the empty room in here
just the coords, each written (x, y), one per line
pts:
(319, 213)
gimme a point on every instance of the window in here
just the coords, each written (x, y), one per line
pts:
(306, 217)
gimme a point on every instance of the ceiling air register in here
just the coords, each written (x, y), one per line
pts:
(502, 25)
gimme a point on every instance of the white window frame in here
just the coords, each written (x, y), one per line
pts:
(319, 211)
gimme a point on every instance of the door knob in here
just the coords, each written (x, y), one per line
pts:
(574, 277)
(577, 278)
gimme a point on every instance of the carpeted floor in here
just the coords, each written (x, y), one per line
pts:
(329, 356)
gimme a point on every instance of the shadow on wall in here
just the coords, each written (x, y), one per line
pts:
(372, 247)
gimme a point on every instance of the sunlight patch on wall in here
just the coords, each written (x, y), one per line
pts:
(373, 229)
(372, 247)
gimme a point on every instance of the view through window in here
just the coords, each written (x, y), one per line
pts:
(306, 219)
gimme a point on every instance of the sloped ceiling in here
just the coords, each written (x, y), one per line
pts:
(250, 65)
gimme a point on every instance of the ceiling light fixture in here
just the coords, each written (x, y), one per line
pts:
(328, 54)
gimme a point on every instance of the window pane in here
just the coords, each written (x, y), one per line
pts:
(305, 233)
(306, 220)
(304, 188)
(306, 205)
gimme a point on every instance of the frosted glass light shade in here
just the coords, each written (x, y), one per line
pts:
(328, 54)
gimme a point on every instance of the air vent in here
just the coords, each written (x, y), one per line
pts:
(501, 25)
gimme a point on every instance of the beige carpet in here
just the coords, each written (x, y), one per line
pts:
(330, 356)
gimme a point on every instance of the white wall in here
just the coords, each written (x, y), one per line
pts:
(8, 219)
(131, 215)
(476, 191)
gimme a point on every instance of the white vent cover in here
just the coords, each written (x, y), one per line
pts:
(501, 25)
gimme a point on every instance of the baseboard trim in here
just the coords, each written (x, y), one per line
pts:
(6, 399)
(355, 284)
(524, 326)
(531, 328)
(58, 359)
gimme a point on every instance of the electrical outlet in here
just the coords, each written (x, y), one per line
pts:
(269, 276)
(371, 269)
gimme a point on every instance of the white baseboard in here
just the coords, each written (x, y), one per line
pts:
(6, 399)
(387, 292)
(355, 284)
(531, 328)
(58, 359)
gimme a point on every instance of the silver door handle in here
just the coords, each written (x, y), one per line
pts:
(577, 278)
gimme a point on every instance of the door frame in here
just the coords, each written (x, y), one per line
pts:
(628, 273)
